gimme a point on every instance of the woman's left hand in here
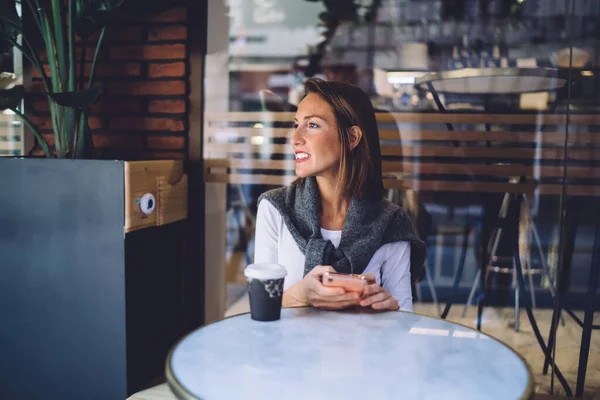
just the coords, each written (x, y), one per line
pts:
(377, 297)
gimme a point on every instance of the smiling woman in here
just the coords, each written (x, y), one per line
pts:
(334, 217)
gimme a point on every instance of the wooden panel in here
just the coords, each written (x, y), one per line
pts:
(143, 177)
(548, 146)
(249, 148)
(172, 200)
(557, 138)
(423, 151)
(222, 135)
(422, 168)
(426, 185)
(419, 118)
(249, 163)
(495, 153)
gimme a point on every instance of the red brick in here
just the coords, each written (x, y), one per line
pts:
(148, 52)
(40, 104)
(120, 141)
(45, 122)
(103, 69)
(167, 106)
(166, 142)
(49, 137)
(175, 14)
(146, 124)
(89, 53)
(37, 151)
(174, 32)
(124, 33)
(109, 104)
(144, 88)
(115, 34)
(162, 70)
(114, 69)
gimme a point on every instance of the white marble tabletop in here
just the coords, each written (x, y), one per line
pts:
(313, 354)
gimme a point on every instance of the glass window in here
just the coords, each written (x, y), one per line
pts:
(488, 120)
(11, 127)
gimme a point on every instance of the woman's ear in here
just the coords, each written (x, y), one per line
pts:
(354, 136)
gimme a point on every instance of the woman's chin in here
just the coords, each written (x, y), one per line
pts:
(300, 173)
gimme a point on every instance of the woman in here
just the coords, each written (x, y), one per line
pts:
(334, 217)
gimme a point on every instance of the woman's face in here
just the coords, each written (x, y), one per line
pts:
(316, 140)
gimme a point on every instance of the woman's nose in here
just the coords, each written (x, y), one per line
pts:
(297, 137)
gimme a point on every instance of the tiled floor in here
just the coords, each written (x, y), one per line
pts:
(497, 323)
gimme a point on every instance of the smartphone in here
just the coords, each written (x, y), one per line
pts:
(350, 282)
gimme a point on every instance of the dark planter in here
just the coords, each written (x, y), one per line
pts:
(86, 310)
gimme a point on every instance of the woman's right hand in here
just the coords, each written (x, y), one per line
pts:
(310, 291)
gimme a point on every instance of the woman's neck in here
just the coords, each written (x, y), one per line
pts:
(334, 206)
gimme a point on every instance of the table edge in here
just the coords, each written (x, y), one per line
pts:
(464, 73)
(183, 394)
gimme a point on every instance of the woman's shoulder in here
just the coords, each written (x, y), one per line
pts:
(267, 209)
(279, 196)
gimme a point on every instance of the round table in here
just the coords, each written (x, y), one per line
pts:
(353, 354)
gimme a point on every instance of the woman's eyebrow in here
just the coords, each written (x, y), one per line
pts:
(311, 116)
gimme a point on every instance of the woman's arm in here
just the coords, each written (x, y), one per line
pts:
(395, 274)
(266, 235)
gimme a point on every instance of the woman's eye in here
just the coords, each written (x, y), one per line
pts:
(295, 125)
(313, 125)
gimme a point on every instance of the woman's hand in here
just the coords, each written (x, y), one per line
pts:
(310, 291)
(377, 297)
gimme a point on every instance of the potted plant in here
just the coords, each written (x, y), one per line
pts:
(70, 93)
(90, 278)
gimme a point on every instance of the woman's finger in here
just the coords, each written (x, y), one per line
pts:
(314, 285)
(344, 296)
(372, 289)
(319, 270)
(336, 305)
(376, 298)
(370, 277)
(388, 304)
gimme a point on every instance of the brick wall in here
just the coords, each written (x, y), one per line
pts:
(142, 113)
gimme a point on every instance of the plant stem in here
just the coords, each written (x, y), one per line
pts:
(71, 83)
(81, 80)
(43, 143)
(95, 59)
(59, 37)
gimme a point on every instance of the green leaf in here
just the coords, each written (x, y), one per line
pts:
(11, 98)
(10, 25)
(93, 15)
(78, 99)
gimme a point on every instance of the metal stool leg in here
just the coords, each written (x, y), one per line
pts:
(472, 293)
(459, 271)
(432, 290)
(517, 299)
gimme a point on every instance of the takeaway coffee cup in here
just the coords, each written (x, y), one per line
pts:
(265, 285)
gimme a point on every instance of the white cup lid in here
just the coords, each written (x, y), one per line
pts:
(264, 271)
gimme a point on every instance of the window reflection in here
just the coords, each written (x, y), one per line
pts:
(487, 111)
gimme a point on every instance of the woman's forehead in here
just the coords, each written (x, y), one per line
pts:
(314, 105)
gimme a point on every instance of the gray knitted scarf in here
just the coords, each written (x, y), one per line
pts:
(368, 226)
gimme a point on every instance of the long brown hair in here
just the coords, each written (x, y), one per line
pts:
(360, 168)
